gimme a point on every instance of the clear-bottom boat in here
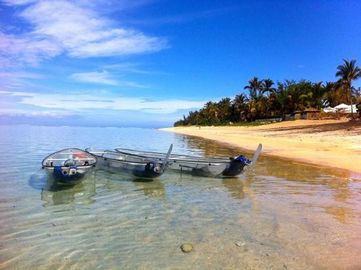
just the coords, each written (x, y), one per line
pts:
(138, 167)
(199, 166)
(69, 165)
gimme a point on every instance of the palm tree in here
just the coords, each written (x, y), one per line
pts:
(348, 72)
(267, 86)
(255, 87)
(319, 92)
(240, 107)
(224, 110)
(211, 112)
(282, 97)
(331, 92)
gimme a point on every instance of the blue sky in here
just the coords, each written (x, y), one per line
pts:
(147, 62)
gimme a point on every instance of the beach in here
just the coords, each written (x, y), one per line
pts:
(332, 143)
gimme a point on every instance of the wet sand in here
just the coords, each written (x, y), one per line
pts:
(333, 143)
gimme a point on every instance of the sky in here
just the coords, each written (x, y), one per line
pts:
(147, 62)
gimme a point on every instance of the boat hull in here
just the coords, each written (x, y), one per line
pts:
(112, 161)
(197, 166)
(69, 165)
(62, 173)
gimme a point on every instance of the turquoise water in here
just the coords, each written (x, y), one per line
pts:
(279, 215)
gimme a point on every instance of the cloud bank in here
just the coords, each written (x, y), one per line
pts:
(77, 103)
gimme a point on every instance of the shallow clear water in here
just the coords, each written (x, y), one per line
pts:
(279, 215)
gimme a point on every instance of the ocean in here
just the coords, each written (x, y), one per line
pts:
(281, 214)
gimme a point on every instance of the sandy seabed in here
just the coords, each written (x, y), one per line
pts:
(333, 143)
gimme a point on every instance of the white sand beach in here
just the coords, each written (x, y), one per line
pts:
(334, 143)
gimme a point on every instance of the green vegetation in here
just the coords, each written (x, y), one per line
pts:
(348, 72)
(269, 100)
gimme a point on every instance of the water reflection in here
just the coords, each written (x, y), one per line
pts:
(289, 178)
(56, 193)
(208, 148)
(152, 189)
(235, 187)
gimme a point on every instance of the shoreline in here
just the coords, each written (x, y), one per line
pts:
(330, 143)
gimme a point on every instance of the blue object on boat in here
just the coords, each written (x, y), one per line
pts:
(57, 171)
(151, 170)
(236, 166)
(69, 165)
(66, 174)
(243, 159)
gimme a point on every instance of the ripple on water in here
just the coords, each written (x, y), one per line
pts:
(281, 214)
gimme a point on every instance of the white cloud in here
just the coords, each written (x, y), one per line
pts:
(16, 94)
(81, 102)
(18, 2)
(136, 68)
(45, 113)
(29, 49)
(94, 77)
(76, 29)
(103, 77)
(20, 74)
(18, 80)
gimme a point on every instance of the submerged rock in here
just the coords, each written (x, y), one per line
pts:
(239, 243)
(186, 247)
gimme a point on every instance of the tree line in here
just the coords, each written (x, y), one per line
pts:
(267, 99)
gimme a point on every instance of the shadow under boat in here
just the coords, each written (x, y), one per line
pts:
(54, 192)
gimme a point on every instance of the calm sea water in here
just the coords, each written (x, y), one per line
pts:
(279, 215)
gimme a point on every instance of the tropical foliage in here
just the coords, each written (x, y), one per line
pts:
(267, 99)
(347, 73)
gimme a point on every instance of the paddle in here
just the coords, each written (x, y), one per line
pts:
(256, 155)
(165, 161)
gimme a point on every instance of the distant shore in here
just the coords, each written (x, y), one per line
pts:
(333, 143)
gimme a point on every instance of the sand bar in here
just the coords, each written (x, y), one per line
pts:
(333, 143)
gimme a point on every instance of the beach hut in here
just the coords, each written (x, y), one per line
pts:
(309, 113)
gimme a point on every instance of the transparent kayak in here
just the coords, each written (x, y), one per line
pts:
(69, 165)
(199, 166)
(139, 167)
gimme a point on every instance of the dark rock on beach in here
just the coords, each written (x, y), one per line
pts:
(186, 248)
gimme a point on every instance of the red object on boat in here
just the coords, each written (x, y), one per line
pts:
(79, 155)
